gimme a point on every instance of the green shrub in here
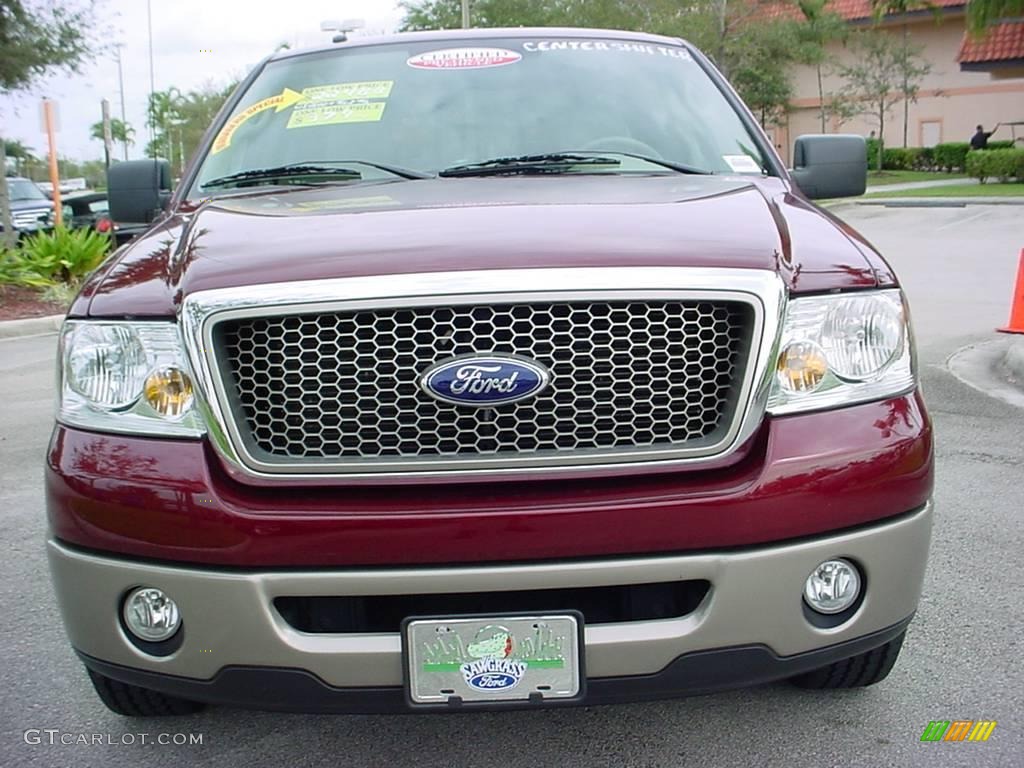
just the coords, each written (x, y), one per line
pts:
(900, 158)
(873, 145)
(48, 258)
(925, 159)
(15, 270)
(1002, 164)
(1008, 144)
(951, 156)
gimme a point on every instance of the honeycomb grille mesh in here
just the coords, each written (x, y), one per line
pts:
(342, 386)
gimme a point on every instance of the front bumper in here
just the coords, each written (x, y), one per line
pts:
(749, 628)
(803, 475)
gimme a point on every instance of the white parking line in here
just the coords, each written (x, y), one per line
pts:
(959, 222)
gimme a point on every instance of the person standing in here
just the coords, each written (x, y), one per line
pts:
(980, 139)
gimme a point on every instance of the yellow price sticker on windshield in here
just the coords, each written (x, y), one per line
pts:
(371, 89)
(341, 103)
(336, 113)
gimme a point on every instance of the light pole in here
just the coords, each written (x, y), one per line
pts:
(152, 78)
(124, 113)
(465, 14)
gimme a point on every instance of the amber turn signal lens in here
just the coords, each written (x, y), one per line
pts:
(169, 391)
(802, 367)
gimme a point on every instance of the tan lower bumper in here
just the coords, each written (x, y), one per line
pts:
(755, 598)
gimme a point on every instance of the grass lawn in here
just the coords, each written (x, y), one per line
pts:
(880, 178)
(957, 190)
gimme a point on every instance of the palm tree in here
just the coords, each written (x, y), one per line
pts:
(885, 8)
(820, 27)
(119, 131)
(984, 13)
(164, 110)
(22, 154)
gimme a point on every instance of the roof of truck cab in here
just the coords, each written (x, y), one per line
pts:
(469, 35)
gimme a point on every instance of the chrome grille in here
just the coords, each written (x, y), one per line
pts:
(30, 219)
(329, 386)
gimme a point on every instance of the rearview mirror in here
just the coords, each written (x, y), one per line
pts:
(832, 165)
(138, 190)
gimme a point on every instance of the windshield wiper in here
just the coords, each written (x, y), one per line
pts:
(332, 168)
(670, 164)
(556, 162)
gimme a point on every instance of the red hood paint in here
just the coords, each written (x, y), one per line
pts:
(482, 223)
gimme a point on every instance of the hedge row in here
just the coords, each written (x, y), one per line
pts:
(951, 156)
(1001, 164)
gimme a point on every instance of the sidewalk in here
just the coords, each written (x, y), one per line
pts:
(933, 202)
(30, 326)
(920, 185)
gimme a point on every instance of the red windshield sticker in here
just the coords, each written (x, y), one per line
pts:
(464, 58)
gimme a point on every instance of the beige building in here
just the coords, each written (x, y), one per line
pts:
(971, 82)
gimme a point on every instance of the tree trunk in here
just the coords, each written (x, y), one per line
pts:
(821, 100)
(722, 9)
(881, 135)
(906, 101)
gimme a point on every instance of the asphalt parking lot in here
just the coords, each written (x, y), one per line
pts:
(961, 659)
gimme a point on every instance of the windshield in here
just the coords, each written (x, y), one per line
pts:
(427, 107)
(23, 189)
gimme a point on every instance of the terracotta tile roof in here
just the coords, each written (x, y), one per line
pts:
(851, 10)
(1004, 42)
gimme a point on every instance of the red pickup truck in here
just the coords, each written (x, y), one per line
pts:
(499, 368)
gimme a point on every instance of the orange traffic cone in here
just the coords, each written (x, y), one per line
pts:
(1017, 308)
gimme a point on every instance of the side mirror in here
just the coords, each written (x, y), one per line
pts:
(832, 165)
(138, 190)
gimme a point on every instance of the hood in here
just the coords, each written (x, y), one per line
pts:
(31, 205)
(436, 225)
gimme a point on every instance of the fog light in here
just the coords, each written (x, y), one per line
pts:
(169, 391)
(833, 586)
(151, 615)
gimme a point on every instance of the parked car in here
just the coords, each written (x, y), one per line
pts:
(88, 210)
(484, 369)
(31, 210)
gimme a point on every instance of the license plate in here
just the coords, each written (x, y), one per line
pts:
(493, 658)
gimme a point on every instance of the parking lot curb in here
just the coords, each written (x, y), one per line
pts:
(1013, 362)
(994, 367)
(30, 326)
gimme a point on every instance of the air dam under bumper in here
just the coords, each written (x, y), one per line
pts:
(238, 650)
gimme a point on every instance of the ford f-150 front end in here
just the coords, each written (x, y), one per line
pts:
(488, 369)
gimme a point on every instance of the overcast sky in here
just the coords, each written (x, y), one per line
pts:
(237, 34)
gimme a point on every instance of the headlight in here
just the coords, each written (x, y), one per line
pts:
(842, 349)
(126, 377)
(106, 365)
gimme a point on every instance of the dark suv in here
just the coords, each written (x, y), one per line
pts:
(31, 210)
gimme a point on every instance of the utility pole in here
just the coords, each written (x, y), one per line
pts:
(124, 113)
(181, 148)
(152, 77)
(10, 237)
(108, 141)
(465, 14)
(48, 123)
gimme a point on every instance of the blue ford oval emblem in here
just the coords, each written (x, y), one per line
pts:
(493, 674)
(485, 380)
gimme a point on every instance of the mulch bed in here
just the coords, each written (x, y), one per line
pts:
(17, 302)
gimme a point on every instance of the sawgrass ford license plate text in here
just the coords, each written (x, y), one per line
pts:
(493, 659)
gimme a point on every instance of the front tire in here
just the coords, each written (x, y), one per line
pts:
(133, 701)
(855, 672)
